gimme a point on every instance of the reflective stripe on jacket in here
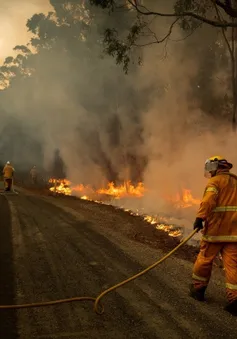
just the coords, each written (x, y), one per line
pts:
(219, 208)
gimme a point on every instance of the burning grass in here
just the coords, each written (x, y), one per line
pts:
(65, 187)
(112, 193)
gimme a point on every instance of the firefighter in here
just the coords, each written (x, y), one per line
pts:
(217, 218)
(34, 175)
(8, 173)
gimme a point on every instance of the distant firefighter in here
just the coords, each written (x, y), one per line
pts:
(8, 173)
(34, 175)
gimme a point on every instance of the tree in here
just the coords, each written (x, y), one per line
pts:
(190, 16)
(58, 166)
(227, 41)
(182, 9)
(64, 55)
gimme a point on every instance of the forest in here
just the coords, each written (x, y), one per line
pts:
(110, 87)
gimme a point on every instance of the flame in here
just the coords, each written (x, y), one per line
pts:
(60, 186)
(127, 189)
(164, 225)
(183, 200)
(64, 186)
(84, 197)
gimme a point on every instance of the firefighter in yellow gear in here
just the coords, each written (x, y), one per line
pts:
(8, 173)
(217, 217)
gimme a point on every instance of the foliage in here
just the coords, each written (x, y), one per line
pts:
(190, 15)
(65, 54)
(121, 50)
(201, 7)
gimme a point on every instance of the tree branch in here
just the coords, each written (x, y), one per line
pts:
(214, 23)
(227, 8)
(159, 41)
(233, 67)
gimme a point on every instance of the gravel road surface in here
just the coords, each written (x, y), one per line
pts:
(53, 248)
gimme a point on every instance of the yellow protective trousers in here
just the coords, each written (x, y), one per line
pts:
(203, 266)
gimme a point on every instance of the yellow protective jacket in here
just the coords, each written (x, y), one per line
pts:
(8, 172)
(219, 208)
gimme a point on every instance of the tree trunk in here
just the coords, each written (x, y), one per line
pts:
(234, 68)
(234, 78)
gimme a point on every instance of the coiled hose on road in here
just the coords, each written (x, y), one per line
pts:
(98, 307)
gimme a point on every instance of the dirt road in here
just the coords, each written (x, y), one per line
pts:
(56, 248)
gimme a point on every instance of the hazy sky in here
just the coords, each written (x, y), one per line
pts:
(13, 18)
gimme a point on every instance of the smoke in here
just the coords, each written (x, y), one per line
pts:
(178, 135)
(13, 17)
(72, 103)
(107, 125)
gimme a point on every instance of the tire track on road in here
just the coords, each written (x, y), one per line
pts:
(152, 307)
(41, 227)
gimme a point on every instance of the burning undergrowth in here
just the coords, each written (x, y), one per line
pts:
(129, 197)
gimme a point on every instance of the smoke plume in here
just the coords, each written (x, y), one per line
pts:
(147, 125)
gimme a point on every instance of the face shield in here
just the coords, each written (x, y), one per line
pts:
(210, 166)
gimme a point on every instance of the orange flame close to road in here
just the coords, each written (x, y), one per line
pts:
(127, 189)
(181, 200)
(60, 186)
(64, 186)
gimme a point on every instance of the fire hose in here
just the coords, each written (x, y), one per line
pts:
(98, 307)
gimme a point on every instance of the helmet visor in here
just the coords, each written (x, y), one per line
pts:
(210, 166)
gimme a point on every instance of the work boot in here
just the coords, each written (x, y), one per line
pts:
(232, 308)
(197, 294)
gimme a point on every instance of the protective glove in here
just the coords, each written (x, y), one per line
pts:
(198, 224)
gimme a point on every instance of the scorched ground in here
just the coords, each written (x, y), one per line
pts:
(58, 247)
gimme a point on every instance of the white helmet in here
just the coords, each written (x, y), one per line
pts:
(8, 162)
